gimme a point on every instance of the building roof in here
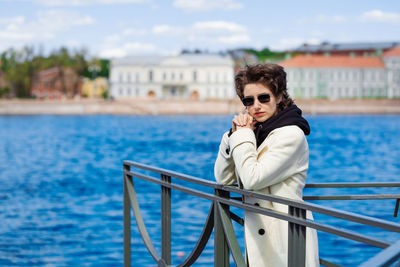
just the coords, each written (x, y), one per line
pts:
(174, 61)
(328, 47)
(394, 52)
(310, 61)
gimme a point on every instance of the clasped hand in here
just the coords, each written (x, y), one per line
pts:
(242, 120)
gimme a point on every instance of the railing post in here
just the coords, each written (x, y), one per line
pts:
(296, 239)
(127, 221)
(166, 220)
(221, 249)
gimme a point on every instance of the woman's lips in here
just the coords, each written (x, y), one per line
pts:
(259, 114)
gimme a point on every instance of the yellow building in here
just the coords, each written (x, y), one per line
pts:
(95, 88)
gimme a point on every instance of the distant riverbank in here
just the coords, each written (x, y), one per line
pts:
(175, 106)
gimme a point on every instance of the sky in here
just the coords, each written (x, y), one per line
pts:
(118, 28)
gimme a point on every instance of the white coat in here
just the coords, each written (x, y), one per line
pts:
(277, 167)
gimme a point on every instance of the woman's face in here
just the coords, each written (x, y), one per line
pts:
(260, 111)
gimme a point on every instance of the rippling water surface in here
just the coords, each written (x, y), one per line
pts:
(61, 183)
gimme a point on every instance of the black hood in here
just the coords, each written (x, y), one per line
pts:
(289, 116)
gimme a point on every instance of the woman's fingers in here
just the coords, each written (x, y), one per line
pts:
(249, 120)
(242, 120)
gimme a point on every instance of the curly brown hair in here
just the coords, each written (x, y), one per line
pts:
(270, 75)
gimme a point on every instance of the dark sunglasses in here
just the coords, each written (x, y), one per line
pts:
(262, 98)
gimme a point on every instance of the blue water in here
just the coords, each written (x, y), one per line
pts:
(61, 183)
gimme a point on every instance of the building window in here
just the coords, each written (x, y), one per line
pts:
(164, 76)
(181, 76)
(120, 91)
(120, 77)
(172, 75)
(150, 75)
(195, 76)
(129, 77)
(128, 91)
(137, 77)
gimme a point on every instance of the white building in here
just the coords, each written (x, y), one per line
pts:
(196, 76)
(325, 76)
(392, 62)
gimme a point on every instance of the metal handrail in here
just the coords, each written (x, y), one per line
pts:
(225, 238)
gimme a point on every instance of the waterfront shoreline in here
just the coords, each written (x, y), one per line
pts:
(190, 107)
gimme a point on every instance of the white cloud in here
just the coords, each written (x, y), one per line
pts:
(136, 47)
(134, 32)
(112, 53)
(58, 20)
(212, 27)
(85, 2)
(13, 20)
(330, 19)
(322, 18)
(290, 43)
(17, 31)
(15, 36)
(128, 49)
(218, 32)
(234, 39)
(223, 32)
(380, 16)
(168, 30)
(206, 5)
(113, 38)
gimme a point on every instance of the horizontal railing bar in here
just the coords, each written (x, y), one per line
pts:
(385, 257)
(352, 197)
(343, 185)
(212, 184)
(308, 223)
(178, 175)
(312, 207)
(267, 212)
(375, 222)
(379, 223)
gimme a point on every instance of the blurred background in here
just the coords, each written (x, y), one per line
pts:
(85, 85)
(190, 49)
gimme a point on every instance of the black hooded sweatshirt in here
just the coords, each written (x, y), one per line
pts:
(289, 116)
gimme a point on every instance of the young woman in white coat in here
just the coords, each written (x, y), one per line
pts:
(266, 151)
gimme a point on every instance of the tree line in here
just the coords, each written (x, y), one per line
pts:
(18, 67)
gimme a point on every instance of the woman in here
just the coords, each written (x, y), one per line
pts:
(266, 151)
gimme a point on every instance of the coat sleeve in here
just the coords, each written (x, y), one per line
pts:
(224, 168)
(272, 165)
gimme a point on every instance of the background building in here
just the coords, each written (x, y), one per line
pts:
(344, 76)
(392, 61)
(188, 76)
(96, 88)
(346, 49)
(56, 83)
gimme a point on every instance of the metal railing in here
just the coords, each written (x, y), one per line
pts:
(220, 219)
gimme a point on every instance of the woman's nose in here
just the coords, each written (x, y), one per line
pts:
(257, 103)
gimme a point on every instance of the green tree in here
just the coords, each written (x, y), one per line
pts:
(265, 55)
(20, 66)
(18, 70)
(102, 68)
